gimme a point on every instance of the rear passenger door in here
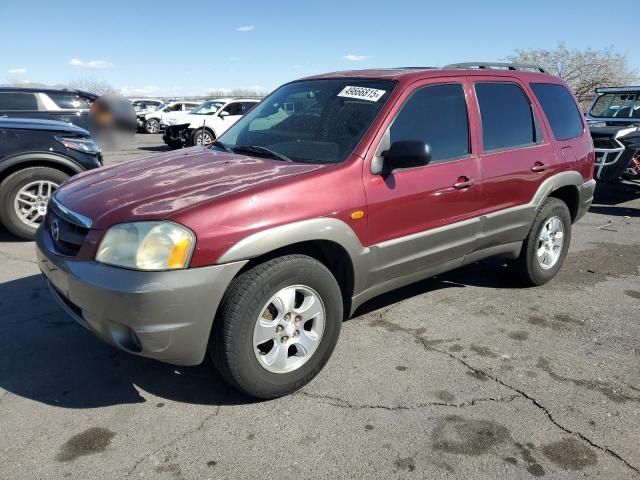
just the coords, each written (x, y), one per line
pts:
(424, 217)
(516, 156)
(567, 125)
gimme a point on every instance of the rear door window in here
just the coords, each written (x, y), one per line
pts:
(560, 108)
(18, 101)
(507, 116)
(436, 115)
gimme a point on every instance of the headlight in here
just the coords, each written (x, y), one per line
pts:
(147, 246)
(80, 144)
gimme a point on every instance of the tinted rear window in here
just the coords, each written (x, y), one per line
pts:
(18, 101)
(560, 109)
(70, 101)
(507, 117)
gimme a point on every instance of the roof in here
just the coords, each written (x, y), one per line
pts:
(47, 90)
(417, 73)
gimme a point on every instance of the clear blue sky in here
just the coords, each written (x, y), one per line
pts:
(190, 47)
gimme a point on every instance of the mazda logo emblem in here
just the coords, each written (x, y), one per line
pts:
(55, 230)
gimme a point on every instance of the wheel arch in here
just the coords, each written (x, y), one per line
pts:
(563, 186)
(21, 161)
(330, 241)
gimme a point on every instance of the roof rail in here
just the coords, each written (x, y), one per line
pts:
(496, 66)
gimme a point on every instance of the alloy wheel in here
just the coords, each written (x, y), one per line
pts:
(289, 329)
(31, 202)
(550, 243)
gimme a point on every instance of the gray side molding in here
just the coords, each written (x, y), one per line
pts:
(330, 229)
(562, 179)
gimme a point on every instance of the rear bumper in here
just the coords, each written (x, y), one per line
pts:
(585, 198)
(162, 315)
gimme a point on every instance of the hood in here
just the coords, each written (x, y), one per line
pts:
(48, 125)
(190, 118)
(160, 187)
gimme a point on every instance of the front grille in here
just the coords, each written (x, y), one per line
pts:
(70, 236)
(606, 143)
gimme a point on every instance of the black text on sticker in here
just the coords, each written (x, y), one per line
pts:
(363, 93)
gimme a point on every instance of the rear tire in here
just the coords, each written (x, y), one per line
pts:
(25, 182)
(152, 125)
(539, 259)
(242, 360)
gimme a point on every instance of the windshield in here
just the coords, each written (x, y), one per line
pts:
(207, 108)
(312, 121)
(617, 105)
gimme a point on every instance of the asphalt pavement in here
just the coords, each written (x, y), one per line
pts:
(465, 375)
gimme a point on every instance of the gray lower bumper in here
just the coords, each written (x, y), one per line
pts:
(161, 315)
(585, 197)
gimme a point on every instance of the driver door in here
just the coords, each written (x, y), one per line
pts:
(424, 217)
(228, 116)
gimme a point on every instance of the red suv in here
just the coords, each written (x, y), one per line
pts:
(332, 190)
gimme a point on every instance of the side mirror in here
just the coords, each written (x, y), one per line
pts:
(224, 114)
(405, 154)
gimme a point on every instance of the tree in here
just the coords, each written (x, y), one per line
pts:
(583, 70)
(91, 84)
(236, 92)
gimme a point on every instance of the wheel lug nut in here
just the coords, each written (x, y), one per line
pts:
(298, 318)
(284, 339)
(279, 328)
(296, 333)
(287, 317)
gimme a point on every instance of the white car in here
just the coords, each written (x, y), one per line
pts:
(153, 121)
(206, 122)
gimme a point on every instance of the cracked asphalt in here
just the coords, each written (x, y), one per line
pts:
(465, 375)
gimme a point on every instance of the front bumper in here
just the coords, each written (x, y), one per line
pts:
(585, 197)
(162, 315)
(177, 135)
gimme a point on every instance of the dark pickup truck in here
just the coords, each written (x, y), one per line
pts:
(614, 121)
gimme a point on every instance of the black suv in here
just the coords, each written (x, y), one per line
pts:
(71, 106)
(36, 157)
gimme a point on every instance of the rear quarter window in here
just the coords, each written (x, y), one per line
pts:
(560, 108)
(18, 101)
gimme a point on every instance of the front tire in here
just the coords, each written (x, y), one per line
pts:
(547, 244)
(24, 196)
(152, 126)
(277, 326)
(203, 137)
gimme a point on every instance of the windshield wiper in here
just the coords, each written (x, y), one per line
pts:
(261, 151)
(223, 146)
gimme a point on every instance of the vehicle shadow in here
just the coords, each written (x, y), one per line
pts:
(489, 273)
(45, 356)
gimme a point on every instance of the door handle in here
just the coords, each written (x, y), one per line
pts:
(464, 182)
(539, 167)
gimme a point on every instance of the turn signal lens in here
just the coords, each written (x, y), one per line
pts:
(179, 254)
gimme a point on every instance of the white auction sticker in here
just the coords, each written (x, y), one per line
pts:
(363, 93)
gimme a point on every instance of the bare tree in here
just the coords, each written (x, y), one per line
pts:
(583, 70)
(91, 84)
(237, 92)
